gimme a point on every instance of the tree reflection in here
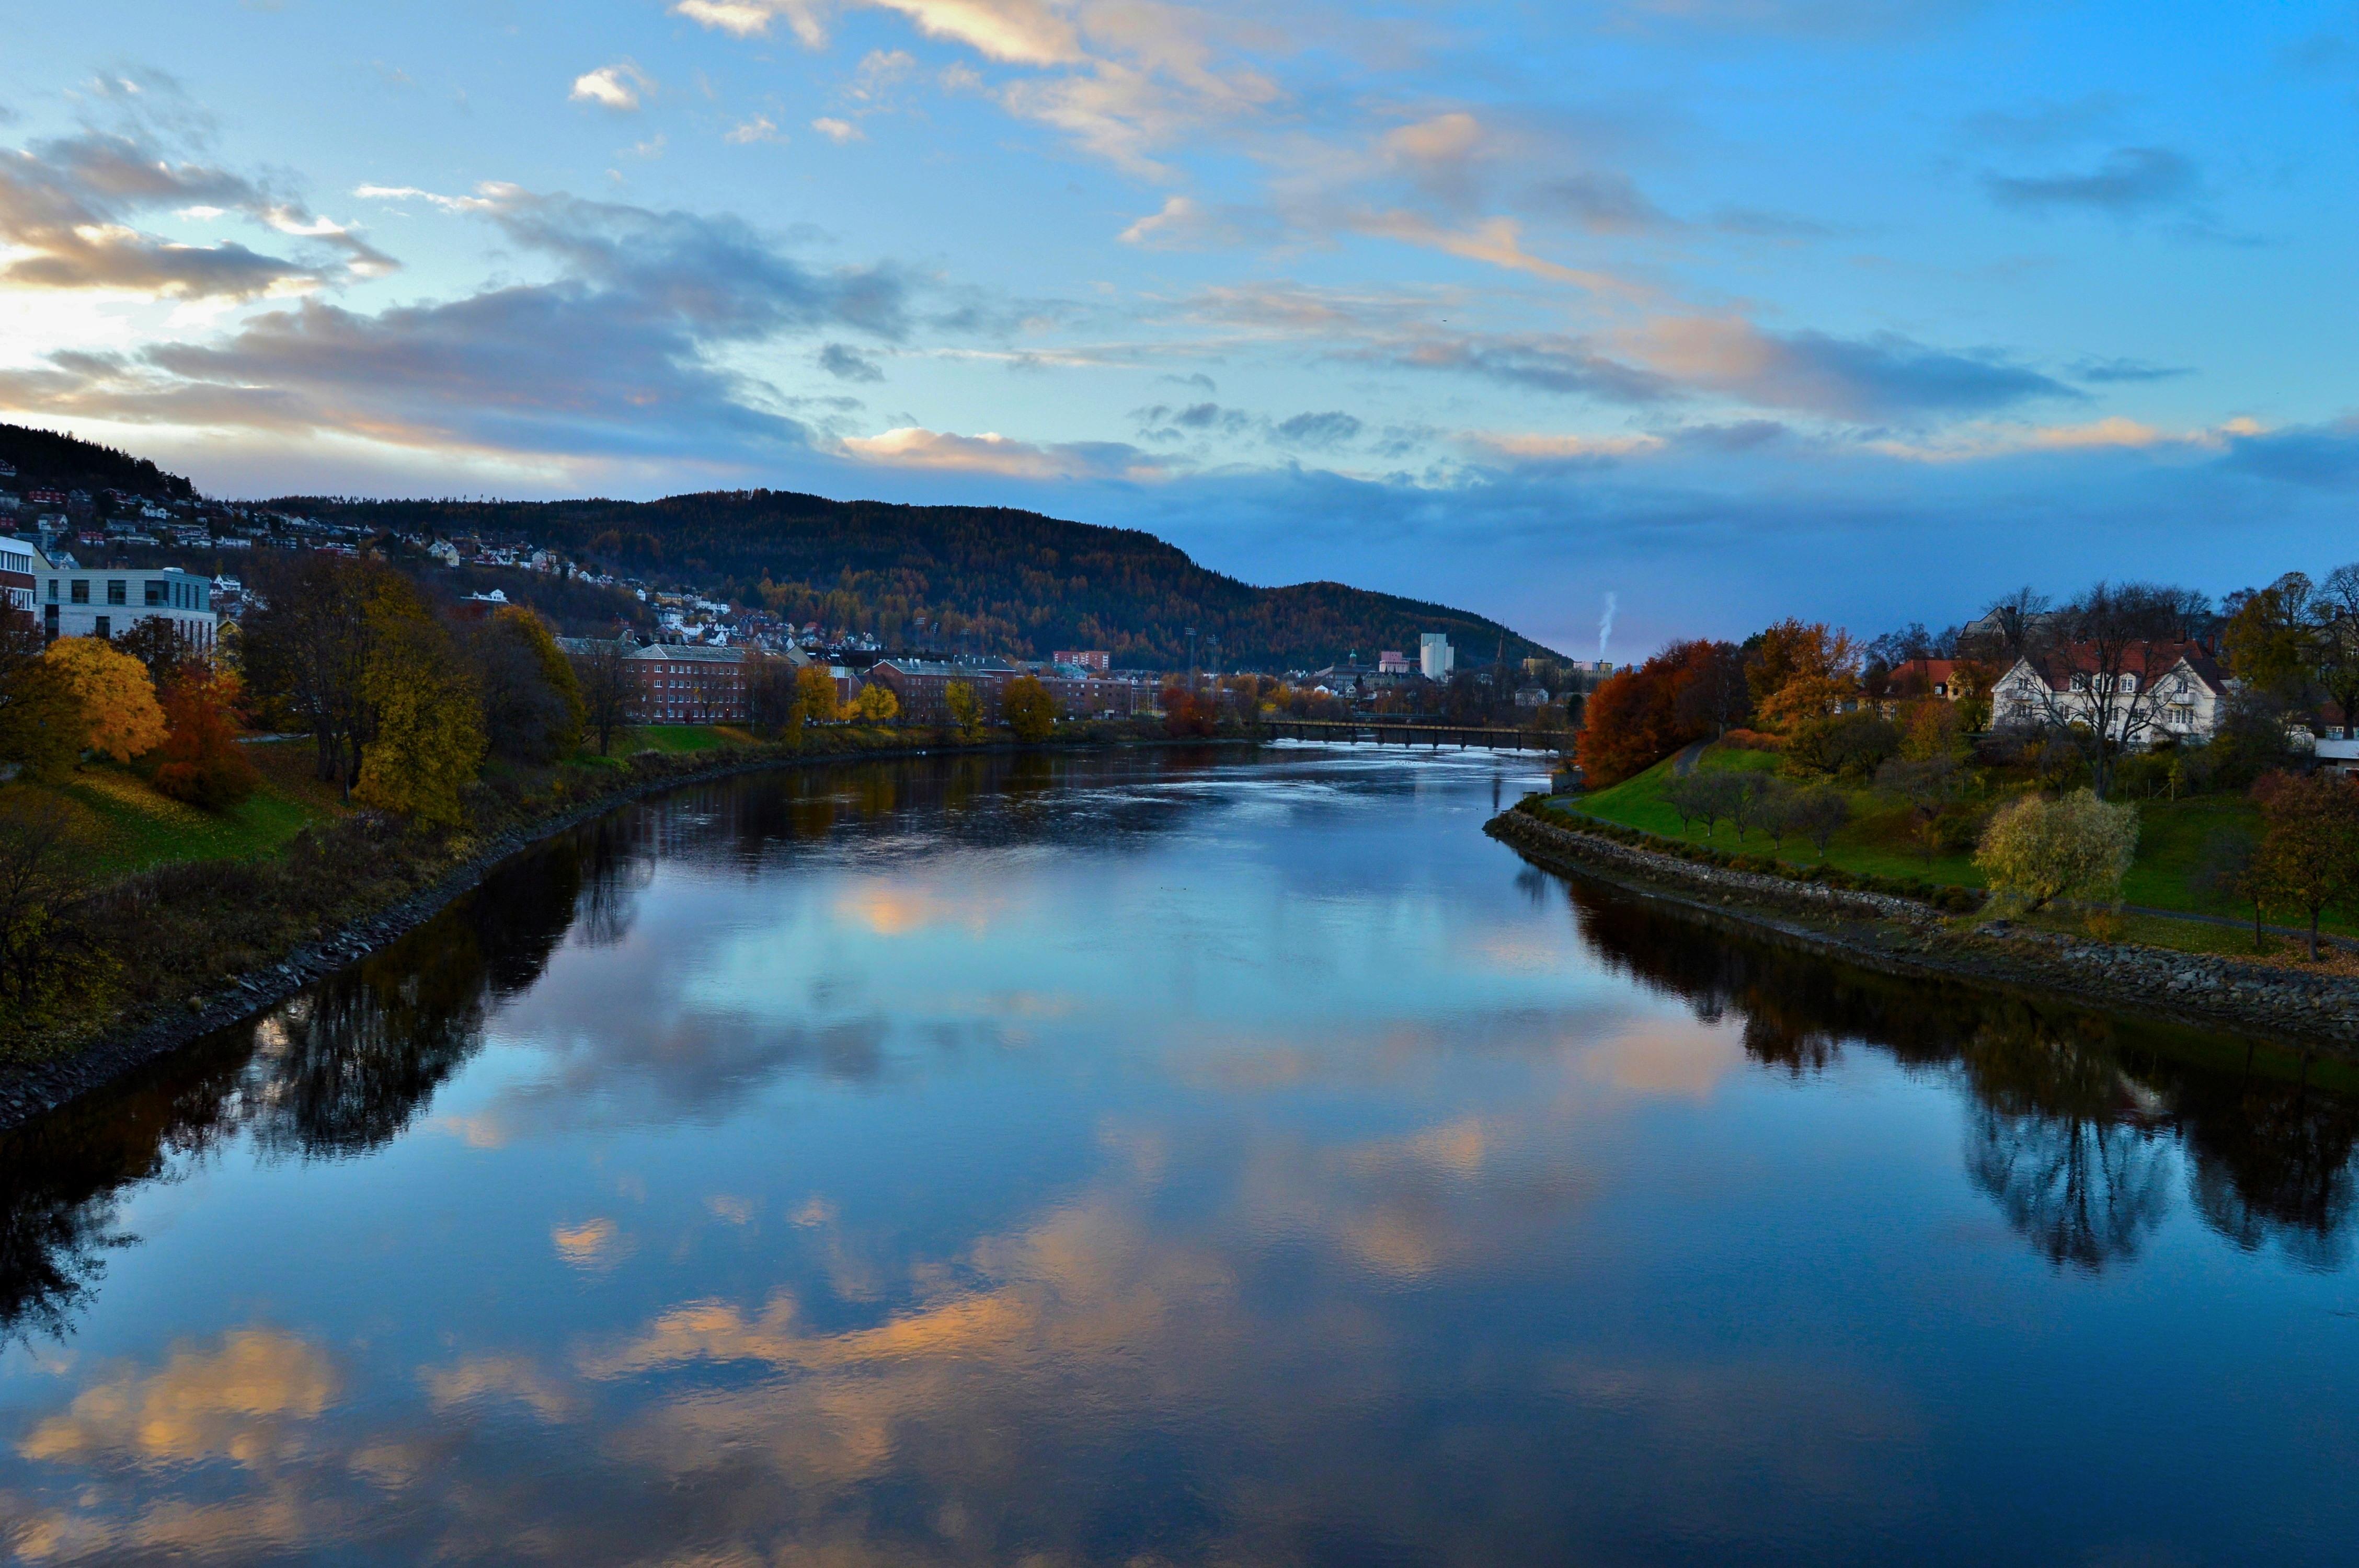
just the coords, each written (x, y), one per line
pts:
(2075, 1115)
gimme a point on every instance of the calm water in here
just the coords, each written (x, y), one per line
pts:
(1156, 1161)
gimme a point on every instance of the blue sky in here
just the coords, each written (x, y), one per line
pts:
(1867, 310)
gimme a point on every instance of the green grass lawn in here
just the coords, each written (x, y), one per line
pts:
(2171, 839)
(130, 827)
(670, 738)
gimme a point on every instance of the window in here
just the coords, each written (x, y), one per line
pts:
(154, 591)
(82, 590)
(53, 590)
(105, 626)
(118, 591)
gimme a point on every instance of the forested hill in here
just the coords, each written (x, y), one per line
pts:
(1003, 580)
(46, 461)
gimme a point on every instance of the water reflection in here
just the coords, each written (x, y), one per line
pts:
(2079, 1121)
(1143, 1161)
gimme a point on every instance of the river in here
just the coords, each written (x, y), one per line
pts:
(1161, 1158)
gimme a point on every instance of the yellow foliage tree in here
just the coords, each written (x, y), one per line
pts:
(2037, 850)
(1028, 708)
(817, 688)
(966, 709)
(429, 720)
(876, 703)
(118, 697)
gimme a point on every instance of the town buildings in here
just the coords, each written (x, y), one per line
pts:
(108, 602)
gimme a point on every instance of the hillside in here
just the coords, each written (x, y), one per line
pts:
(46, 461)
(990, 580)
(1029, 584)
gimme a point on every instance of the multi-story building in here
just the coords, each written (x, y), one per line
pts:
(1435, 657)
(73, 602)
(1093, 659)
(20, 565)
(686, 683)
(2157, 689)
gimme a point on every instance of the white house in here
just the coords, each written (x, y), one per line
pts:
(2161, 689)
(111, 601)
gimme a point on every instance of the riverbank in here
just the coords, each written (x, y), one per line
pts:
(219, 941)
(2305, 1012)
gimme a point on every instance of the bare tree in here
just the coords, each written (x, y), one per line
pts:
(2338, 625)
(2101, 686)
(607, 689)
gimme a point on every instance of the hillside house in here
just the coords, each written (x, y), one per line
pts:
(2161, 689)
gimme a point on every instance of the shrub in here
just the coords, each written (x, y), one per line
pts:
(2037, 851)
(202, 762)
(1848, 745)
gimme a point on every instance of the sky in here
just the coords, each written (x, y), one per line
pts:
(1617, 319)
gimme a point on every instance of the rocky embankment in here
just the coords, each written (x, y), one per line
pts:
(2313, 1012)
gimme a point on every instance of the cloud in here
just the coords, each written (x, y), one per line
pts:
(2117, 370)
(2321, 457)
(1184, 223)
(1332, 428)
(1495, 242)
(1884, 377)
(239, 1401)
(1546, 363)
(760, 128)
(615, 355)
(618, 87)
(847, 364)
(69, 208)
(838, 131)
(2130, 179)
(752, 18)
(989, 453)
(1603, 203)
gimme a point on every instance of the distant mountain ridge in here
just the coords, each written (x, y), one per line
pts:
(992, 580)
(996, 579)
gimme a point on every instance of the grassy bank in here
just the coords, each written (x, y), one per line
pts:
(179, 902)
(1879, 842)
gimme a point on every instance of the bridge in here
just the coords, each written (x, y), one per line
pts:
(1401, 730)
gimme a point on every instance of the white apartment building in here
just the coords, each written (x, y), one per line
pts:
(1435, 657)
(110, 602)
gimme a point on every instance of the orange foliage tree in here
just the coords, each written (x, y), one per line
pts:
(1801, 671)
(1185, 714)
(203, 764)
(1640, 717)
(118, 697)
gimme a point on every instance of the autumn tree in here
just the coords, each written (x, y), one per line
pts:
(1801, 671)
(2037, 851)
(1637, 717)
(117, 698)
(2309, 855)
(2271, 640)
(773, 696)
(201, 760)
(41, 724)
(1184, 714)
(156, 642)
(306, 643)
(1028, 708)
(2231, 872)
(532, 702)
(965, 708)
(427, 717)
(1929, 784)
(876, 704)
(818, 688)
(1818, 814)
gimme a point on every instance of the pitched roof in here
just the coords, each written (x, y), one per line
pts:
(2147, 661)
